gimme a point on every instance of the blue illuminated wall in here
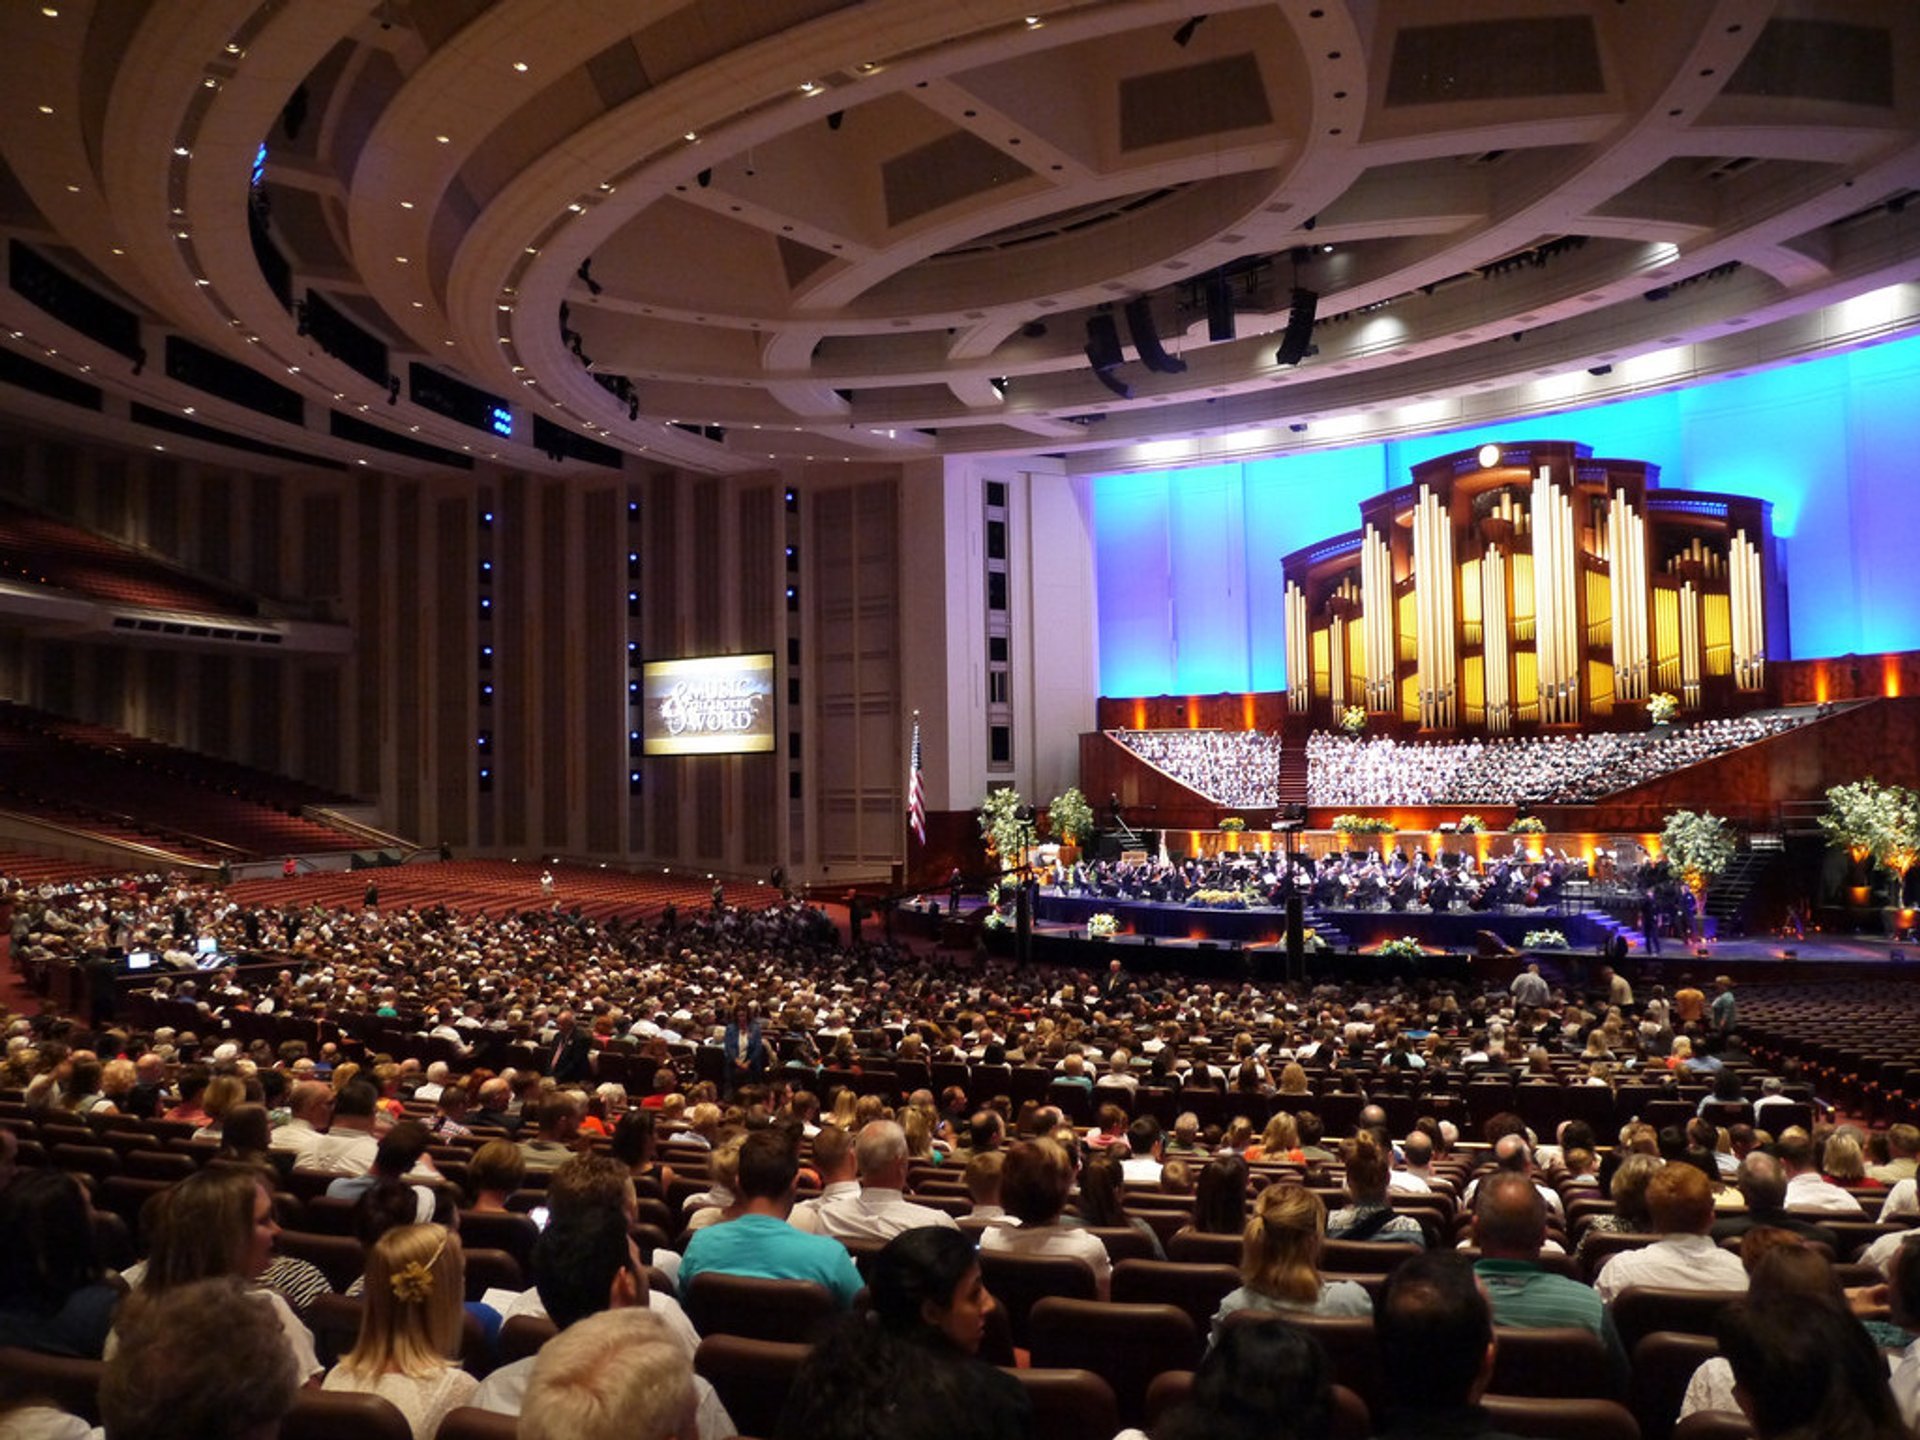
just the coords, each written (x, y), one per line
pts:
(1189, 560)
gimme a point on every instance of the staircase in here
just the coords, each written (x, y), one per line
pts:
(1735, 886)
(1293, 761)
(1329, 934)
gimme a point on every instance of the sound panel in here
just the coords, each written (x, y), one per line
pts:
(1146, 339)
(1103, 342)
(1297, 343)
(1220, 324)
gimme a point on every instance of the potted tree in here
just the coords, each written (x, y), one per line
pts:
(1071, 819)
(1698, 844)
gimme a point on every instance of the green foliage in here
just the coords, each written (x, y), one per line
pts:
(1362, 825)
(1470, 825)
(1405, 948)
(1003, 833)
(1662, 707)
(1233, 824)
(1874, 821)
(1545, 940)
(1532, 825)
(1070, 816)
(1698, 845)
(1353, 719)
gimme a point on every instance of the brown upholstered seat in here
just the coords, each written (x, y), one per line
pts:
(1123, 1344)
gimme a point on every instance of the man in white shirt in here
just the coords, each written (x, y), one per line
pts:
(312, 1107)
(879, 1210)
(585, 1263)
(1771, 1097)
(349, 1146)
(1414, 1175)
(833, 1160)
(1680, 1199)
(1513, 1153)
(1142, 1167)
(1807, 1189)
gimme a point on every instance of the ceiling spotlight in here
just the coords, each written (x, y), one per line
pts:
(1184, 35)
(46, 109)
(444, 139)
(521, 66)
(690, 136)
(809, 87)
(182, 151)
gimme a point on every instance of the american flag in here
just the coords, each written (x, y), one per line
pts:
(916, 794)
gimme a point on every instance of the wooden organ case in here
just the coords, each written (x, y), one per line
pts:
(1530, 585)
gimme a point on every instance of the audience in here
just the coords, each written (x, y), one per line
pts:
(1279, 1262)
(760, 1242)
(1680, 1205)
(203, 1360)
(1034, 1184)
(613, 1376)
(1435, 1334)
(410, 1330)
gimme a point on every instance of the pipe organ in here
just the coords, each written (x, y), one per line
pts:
(1528, 585)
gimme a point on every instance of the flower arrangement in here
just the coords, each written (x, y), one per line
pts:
(1103, 926)
(1311, 942)
(1353, 719)
(1532, 825)
(1662, 707)
(1405, 948)
(1544, 940)
(1218, 899)
(1470, 825)
(1362, 825)
(1234, 824)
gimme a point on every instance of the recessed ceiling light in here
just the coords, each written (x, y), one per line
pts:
(118, 250)
(186, 409)
(46, 109)
(505, 309)
(690, 136)
(533, 250)
(577, 208)
(419, 304)
(52, 12)
(808, 87)
(1033, 22)
(73, 189)
(182, 151)
(233, 47)
(203, 281)
(401, 260)
(521, 66)
(406, 204)
(293, 369)
(444, 139)
(182, 235)
(211, 83)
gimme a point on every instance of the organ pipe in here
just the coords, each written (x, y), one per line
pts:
(1436, 648)
(1626, 538)
(1376, 609)
(1749, 611)
(1689, 645)
(1493, 629)
(1299, 670)
(1556, 639)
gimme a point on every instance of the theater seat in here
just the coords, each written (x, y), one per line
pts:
(1070, 1404)
(332, 1414)
(1642, 1309)
(1196, 1289)
(1019, 1282)
(1348, 1341)
(1714, 1425)
(752, 1377)
(1563, 1361)
(1561, 1419)
(467, 1423)
(1123, 1344)
(523, 1335)
(746, 1305)
(1171, 1387)
(60, 1381)
(1663, 1363)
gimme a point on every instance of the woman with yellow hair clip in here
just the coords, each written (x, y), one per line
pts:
(410, 1331)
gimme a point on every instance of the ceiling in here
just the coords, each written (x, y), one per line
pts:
(724, 234)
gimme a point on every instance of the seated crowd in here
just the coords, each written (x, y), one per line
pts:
(1173, 1118)
(1548, 769)
(1229, 767)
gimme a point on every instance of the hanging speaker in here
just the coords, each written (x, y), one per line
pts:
(1297, 343)
(1146, 339)
(1103, 342)
(1219, 308)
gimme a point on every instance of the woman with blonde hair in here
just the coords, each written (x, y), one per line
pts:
(410, 1330)
(1844, 1162)
(1280, 1141)
(1279, 1262)
(222, 1094)
(1293, 1078)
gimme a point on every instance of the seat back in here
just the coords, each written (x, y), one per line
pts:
(1713, 1425)
(1123, 1242)
(1642, 1309)
(1364, 1257)
(1348, 1341)
(330, 1414)
(1196, 1289)
(752, 1377)
(1558, 1418)
(1197, 1247)
(1597, 1249)
(1019, 1282)
(468, 1423)
(492, 1270)
(55, 1380)
(341, 1258)
(1663, 1364)
(1563, 1360)
(1349, 1421)
(796, 1311)
(493, 1230)
(1123, 1344)
(1070, 1404)
(523, 1335)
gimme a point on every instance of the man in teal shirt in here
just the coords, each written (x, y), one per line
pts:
(761, 1243)
(1510, 1226)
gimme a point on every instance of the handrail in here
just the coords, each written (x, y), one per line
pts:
(93, 838)
(118, 817)
(323, 815)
